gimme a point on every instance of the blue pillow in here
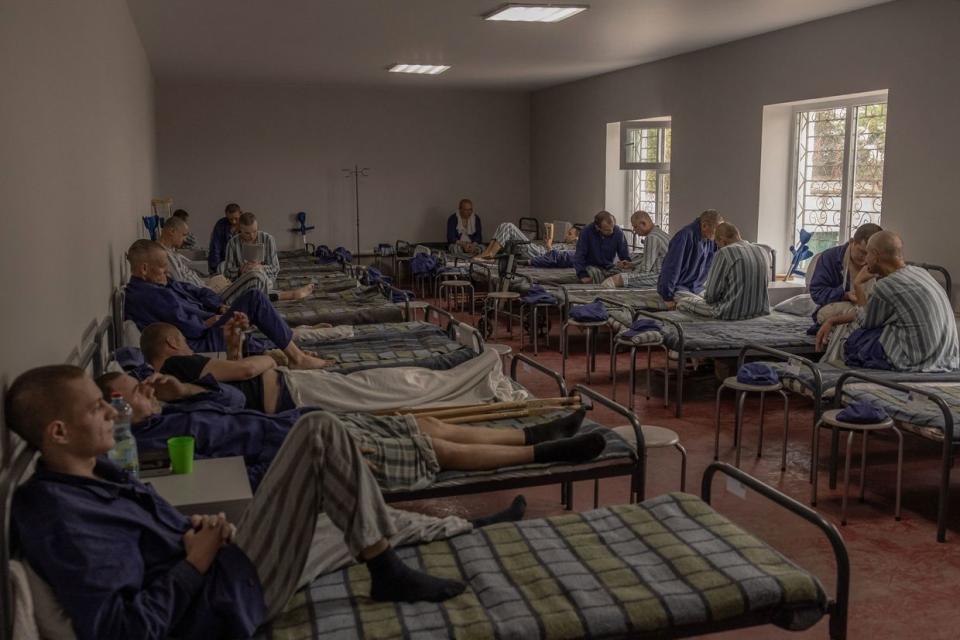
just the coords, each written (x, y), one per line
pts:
(593, 312)
(642, 325)
(861, 412)
(757, 373)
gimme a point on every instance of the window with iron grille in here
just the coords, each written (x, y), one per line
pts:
(645, 154)
(838, 169)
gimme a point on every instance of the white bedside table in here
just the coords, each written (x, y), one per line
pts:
(215, 485)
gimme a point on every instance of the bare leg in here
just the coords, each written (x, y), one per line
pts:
(470, 435)
(299, 359)
(490, 251)
(296, 294)
(478, 457)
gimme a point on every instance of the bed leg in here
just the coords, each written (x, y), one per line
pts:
(947, 463)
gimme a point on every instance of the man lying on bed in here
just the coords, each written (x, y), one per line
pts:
(124, 563)
(508, 235)
(906, 325)
(646, 270)
(199, 312)
(172, 236)
(404, 452)
(736, 286)
(689, 256)
(831, 283)
(599, 245)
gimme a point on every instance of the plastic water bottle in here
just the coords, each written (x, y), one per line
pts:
(124, 452)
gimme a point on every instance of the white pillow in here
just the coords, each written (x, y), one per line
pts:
(801, 305)
(51, 620)
(131, 334)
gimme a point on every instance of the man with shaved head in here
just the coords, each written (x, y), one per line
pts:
(906, 325)
(689, 257)
(736, 286)
(200, 313)
(646, 269)
(599, 245)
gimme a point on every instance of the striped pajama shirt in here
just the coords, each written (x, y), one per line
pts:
(919, 330)
(318, 470)
(647, 269)
(233, 257)
(736, 286)
(178, 268)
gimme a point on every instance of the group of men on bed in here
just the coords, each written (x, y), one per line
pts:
(124, 563)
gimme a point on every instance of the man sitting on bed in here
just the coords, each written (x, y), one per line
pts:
(249, 234)
(172, 236)
(599, 244)
(404, 452)
(200, 313)
(689, 256)
(831, 283)
(222, 232)
(190, 240)
(646, 270)
(508, 235)
(736, 286)
(906, 325)
(124, 563)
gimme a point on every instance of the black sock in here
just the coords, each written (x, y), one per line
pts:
(393, 581)
(579, 449)
(511, 514)
(560, 428)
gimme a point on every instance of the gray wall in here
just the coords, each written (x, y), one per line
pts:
(279, 149)
(716, 98)
(76, 168)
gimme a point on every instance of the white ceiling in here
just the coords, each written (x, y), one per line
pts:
(353, 41)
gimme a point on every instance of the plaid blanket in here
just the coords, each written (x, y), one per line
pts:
(800, 379)
(652, 568)
(353, 306)
(402, 344)
(919, 415)
(322, 281)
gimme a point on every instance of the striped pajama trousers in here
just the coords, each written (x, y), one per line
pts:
(318, 470)
(230, 291)
(508, 234)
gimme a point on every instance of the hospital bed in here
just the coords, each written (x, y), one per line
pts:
(359, 305)
(668, 567)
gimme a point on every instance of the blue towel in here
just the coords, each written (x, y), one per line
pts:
(862, 413)
(536, 294)
(342, 255)
(757, 373)
(863, 349)
(642, 325)
(593, 312)
(553, 259)
(423, 264)
(325, 255)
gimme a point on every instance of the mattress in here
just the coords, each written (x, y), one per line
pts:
(646, 570)
(799, 379)
(364, 305)
(323, 280)
(916, 413)
(777, 330)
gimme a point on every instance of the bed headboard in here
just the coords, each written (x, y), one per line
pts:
(19, 458)
(935, 270)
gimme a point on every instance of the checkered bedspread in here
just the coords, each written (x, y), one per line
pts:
(354, 306)
(656, 567)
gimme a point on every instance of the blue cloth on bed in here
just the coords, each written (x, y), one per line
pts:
(642, 325)
(536, 294)
(553, 259)
(187, 308)
(343, 255)
(423, 264)
(402, 295)
(593, 312)
(325, 255)
(862, 412)
(757, 373)
(863, 349)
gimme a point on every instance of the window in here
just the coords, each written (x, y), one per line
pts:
(645, 155)
(838, 173)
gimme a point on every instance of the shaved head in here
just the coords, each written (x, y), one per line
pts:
(175, 223)
(143, 252)
(40, 396)
(884, 253)
(727, 233)
(155, 338)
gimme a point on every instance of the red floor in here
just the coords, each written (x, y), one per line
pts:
(903, 581)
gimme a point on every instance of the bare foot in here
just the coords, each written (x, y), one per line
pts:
(308, 361)
(303, 292)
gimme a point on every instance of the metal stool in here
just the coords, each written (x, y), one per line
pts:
(450, 290)
(503, 350)
(658, 438)
(742, 390)
(632, 388)
(829, 419)
(592, 333)
(492, 303)
(534, 317)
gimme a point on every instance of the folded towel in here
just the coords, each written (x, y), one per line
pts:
(593, 312)
(757, 373)
(536, 294)
(862, 413)
(642, 325)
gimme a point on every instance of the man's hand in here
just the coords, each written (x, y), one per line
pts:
(204, 539)
(233, 333)
(223, 309)
(823, 335)
(671, 305)
(851, 296)
(167, 388)
(250, 266)
(212, 320)
(624, 264)
(586, 280)
(864, 275)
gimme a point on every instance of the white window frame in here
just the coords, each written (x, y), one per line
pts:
(661, 168)
(846, 194)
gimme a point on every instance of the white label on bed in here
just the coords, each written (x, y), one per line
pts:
(737, 488)
(793, 367)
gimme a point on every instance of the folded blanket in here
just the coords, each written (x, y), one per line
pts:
(757, 373)
(642, 325)
(593, 312)
(862, 412)
(536, 294)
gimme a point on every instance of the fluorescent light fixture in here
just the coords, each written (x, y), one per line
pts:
(429, 69)
(535, 12)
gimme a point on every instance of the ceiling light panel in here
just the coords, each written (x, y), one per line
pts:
(535, 12)
(427, 69)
